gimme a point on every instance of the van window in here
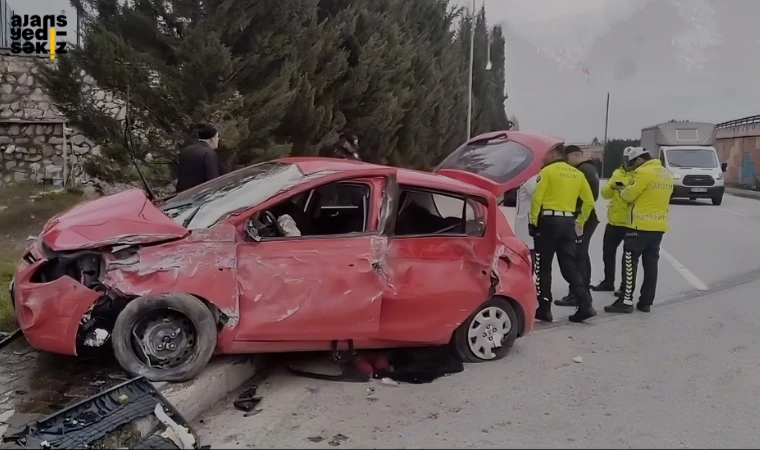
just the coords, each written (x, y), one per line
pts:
(692, 158)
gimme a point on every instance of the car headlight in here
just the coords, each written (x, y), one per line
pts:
(676, 176)
(719, 177)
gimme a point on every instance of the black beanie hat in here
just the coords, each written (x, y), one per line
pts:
(205, 131)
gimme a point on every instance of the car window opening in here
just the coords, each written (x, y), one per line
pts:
(428, 213)
(333, 209)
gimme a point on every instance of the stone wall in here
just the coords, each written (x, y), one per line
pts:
(32, 127)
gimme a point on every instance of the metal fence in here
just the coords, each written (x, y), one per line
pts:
(735, 123)
(5, 24)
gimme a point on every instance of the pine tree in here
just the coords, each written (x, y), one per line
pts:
(281, 77)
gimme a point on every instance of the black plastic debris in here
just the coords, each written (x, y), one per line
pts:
(420, 365)
(247, 400)
(6, 339)
(337, 440)
(84, 423)
(408, 365)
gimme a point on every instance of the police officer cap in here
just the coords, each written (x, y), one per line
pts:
(635, 152)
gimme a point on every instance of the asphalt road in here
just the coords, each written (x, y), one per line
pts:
(684, 376)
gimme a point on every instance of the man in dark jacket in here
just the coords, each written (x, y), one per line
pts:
(346, 148)
(576, 158)
(199, 163)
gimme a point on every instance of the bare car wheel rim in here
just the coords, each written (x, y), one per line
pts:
(163, 339)
(487, 332)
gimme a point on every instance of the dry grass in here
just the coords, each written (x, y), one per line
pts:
(24, 209)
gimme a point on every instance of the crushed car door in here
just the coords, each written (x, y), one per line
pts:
(439, 279)
(314, 288)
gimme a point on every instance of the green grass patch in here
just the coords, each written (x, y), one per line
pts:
(24, 209)
(8, 262)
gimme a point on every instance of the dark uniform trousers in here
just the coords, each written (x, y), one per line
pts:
(556, 235)
(613, 237)
(583, 257)
(644, 245)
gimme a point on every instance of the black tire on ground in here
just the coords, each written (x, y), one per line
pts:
(193, 309)
(693, 198)
(460, 341)
(717, 200)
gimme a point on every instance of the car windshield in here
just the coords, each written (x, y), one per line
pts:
(692, 158)
(204, 205)
(499, 161)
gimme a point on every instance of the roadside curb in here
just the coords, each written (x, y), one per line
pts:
(746, 193)
(222, 376)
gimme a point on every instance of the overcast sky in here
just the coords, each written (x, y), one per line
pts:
(659, 59)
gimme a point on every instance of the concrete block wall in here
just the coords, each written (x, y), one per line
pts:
(31, 126)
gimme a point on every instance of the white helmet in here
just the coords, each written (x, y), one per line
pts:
(627, 152)
(636, 152)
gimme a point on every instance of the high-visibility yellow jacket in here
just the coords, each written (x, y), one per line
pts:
(558, 189)
(618, 211)
(649, 193)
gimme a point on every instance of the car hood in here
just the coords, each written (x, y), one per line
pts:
(124, 218)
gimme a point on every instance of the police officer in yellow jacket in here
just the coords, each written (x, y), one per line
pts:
(555, 229)
(648, 194)
(617, 221)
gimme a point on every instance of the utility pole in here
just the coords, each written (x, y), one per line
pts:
(606, 125)
(472, 62)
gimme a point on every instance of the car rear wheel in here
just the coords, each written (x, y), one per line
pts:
(488, 334)
(167, 337)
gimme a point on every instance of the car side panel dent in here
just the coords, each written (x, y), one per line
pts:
(513, 277)
(197, 266)
(321, 289)
(438, 283)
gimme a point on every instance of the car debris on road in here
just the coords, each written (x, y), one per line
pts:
(88, 424)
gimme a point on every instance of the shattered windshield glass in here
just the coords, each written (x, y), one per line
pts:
(204, 205)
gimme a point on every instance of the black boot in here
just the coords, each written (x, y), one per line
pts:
(544, 311)
(568, 300)
(617, 293)
(643, 307)
(583, 314)
(619, 308)
(604, 286)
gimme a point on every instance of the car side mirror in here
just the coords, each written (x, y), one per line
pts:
(724, 167)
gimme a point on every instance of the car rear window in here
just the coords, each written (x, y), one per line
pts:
(499, 161)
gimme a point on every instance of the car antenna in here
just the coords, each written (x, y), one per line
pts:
(130, 146)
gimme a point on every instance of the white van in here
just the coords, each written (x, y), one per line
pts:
(686, 150)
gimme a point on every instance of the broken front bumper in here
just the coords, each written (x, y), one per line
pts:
(49, 314)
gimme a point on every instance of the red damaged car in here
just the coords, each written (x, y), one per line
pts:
(296, 254)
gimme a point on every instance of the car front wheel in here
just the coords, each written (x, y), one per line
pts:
(167, 337)
(488, 334)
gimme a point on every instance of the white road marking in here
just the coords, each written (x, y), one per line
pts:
(686, 273)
